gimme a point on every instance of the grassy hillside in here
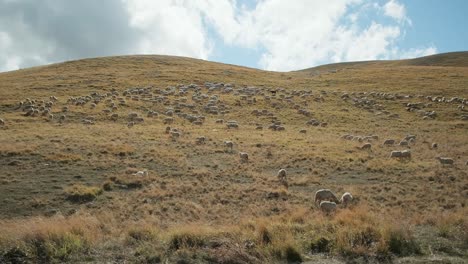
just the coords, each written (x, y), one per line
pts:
(451, 59)
(70, 188)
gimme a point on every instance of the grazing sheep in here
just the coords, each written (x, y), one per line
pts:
(403, 143)
(168, 129)
(62, 119)
(434, 145)
(408, 137)
(244, 157)
(232, 124)
(445, 161)
(229, 144)
(168, 120)
(130, 124)
(200, 140)
(142, 173)
(175, 135)
(282, 177)
(281, 174)
(346, 199)
(114, 117)
(2, 122)
(324, 195)
(327, 207)
(389, 142)
(395, 154)
(366, 146)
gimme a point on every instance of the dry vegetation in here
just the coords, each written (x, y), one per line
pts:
(71, 191)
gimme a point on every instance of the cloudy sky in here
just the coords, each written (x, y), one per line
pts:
(280, 35)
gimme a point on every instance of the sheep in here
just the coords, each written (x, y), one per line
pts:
(346, 199)
(2, 122)
(403, 143)
(168, 120)
(324, 195)
(281, 174)
(175, 135)
(327, 207)
(366, 146)
(114, 117)
(406, 154)
(232, 124)
(141, 173)
(434, 145)
(200, 140)
(282, 177)
(444, 160)
(389, 142)
(244, 157)
(395, 154)
(168, 129)
(229, 144)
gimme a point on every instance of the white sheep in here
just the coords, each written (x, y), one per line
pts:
(395, 154)
(142, 173)
(434, 145)
(406, 154)
(2, 122)
(444, 160)
(389, 142)
(327, 207)
(229, 144)
(324, 195)
(346, 199)
(201, 140)
(366, 146)
(244, 156)
(281, 174)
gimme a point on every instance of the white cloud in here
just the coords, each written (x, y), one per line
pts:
(396, 11)
(287, 35)
(418, 52)
(169, 27)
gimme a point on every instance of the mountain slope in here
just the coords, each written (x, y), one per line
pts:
(451, 59)
(123, 159)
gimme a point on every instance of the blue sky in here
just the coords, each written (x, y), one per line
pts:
(280, 35)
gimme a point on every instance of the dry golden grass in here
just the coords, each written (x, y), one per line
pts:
(199, 201)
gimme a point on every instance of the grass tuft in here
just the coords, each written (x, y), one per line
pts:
(81, 194)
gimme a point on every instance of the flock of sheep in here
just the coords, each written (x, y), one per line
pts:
(173, 104)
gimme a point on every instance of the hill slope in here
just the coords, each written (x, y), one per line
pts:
(451, 59)
(123, 159)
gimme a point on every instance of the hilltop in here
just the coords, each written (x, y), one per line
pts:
(451, 59)
(123, 159)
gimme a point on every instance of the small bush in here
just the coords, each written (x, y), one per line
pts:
(58, 246)
(81, 193)
(129, 182)
(142, 234)
(321, 245)
(401, 243)
(264, 236)
(186, 239)
(292, 255)
(107, 186)
(14, 255)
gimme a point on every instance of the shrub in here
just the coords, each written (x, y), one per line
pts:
(401, 243)
(321, 245)
(81, 194)
(186, 239)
